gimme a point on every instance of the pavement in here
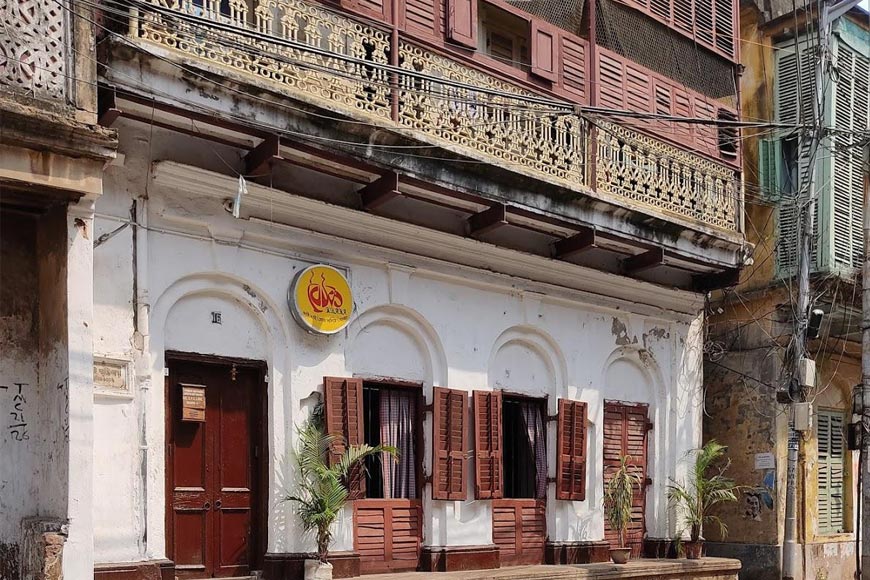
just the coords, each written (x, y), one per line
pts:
(706, 568)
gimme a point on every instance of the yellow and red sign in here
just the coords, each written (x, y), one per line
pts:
(320, 299)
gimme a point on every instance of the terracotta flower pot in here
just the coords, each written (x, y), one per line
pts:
(620, 555)
(694, 550)
(317, 570)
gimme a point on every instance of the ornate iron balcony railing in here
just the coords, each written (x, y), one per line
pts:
(334, 61)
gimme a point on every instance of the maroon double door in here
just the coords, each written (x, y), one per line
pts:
(213, 471)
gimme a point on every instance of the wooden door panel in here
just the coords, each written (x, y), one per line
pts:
(191, 499)
(234, 473)
(519, 529)
(190, 530)
(212, 472)
(388, 534)
(625, 433)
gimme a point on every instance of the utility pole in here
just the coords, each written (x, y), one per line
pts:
(863, 562)
(791, 553)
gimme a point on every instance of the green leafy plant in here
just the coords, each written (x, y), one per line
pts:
(705, 487)
(321, 488)
(618, 495)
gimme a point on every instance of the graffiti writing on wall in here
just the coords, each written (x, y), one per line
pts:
(17, 428)
(64, 408)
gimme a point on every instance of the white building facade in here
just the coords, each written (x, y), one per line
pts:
(212, 289)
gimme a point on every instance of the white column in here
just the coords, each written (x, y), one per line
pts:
(78, 560)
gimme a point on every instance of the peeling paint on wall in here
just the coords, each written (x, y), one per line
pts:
(619, 330)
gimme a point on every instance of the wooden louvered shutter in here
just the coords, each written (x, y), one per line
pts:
(449, 443)
(575, 65)
(544, 50)
(377, 9)
(344, 418)
(462, 22)
(769, 168)
(571, 454)
(831, 466)
(488, 445)
(851, 108)
(421, 16)
(794, 95)
(625, 433)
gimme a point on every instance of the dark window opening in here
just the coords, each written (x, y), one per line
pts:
(525, 448)
(390, 418)
(199, 7)
(790, 148)
(504, 36)
(728, 134)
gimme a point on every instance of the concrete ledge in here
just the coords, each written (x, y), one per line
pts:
(459, 558)
(706, 568)
(760, 561)
(147, 570)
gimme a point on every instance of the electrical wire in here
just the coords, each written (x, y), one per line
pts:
(563, 106)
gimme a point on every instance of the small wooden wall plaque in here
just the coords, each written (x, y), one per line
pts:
(193, 403)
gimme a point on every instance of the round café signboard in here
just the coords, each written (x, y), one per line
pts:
(320, 299)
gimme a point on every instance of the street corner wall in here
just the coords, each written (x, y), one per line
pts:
(831, 556)
(741, 414)
(19, 376)
(831, 560)
(33, 397)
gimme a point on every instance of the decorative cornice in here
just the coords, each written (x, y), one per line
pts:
(600, 288)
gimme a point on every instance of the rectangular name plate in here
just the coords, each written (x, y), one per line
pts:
(193, 403)
(112, 377)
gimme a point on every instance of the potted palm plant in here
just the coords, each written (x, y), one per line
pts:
(321, 488)
(704, 487)
(618, 495)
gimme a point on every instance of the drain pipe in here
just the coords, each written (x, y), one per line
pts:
(142, 342)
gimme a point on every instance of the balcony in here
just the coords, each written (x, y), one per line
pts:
(403, 82)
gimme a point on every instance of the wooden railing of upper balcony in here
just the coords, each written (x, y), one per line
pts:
(468, 102)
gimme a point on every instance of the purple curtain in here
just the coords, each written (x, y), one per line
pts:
(398, 418)
(538, 440)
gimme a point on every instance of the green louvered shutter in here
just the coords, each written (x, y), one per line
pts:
(769, 168)
(794, 94)
(851, 113)
(831, 471)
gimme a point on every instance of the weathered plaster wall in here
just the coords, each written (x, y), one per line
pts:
(742, 413)
(19, 379)
(34, 386)
(53, 364)
(742, 372)
(756, 101)
(415, 319)
(831, 556)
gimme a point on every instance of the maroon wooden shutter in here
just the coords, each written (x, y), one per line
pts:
(575, 65)
(625, 433)
(462, 22)
(571, 456)
(421, 16)
(344, 418)
(544, 50)
(450, 443)
(488, 445)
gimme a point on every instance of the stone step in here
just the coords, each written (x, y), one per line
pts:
(641, 569)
